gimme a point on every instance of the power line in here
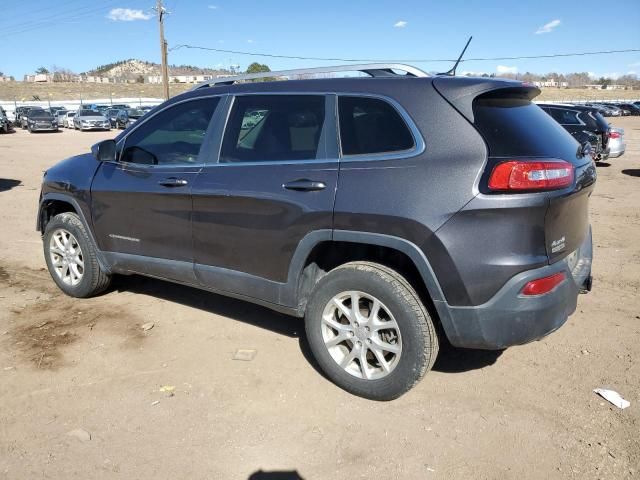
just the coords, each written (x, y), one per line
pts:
(411, 60)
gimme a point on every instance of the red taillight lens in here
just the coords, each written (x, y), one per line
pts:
(531, 175)
(543, 285)
(614, 135)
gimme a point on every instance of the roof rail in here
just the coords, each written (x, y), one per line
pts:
(371, 69)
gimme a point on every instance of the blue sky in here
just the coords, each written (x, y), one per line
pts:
(79, 35)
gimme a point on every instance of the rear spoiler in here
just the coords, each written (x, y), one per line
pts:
(460, 92)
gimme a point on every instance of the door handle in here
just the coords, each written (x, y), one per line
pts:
(305, 185)
(173, 182)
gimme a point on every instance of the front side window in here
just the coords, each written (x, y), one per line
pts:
(172, 137)
(371, 125)
(264, 128)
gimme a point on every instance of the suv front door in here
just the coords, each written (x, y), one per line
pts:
(272, 184)
(141, 204)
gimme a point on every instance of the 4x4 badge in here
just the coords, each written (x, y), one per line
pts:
(558, 245)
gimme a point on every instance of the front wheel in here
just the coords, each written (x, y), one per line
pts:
(369, 331)
(72, 258)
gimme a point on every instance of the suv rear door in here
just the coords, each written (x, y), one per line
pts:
(272, 183)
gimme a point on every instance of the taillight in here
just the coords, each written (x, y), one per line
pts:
(531, 175)
(614, 135)
(543, 285)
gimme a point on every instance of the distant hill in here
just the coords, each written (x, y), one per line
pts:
(133, 68)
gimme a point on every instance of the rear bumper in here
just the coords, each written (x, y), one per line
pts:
(617, 151)
(510, 318)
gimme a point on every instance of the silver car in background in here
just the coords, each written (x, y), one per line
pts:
(90, 120)
(67, 120)
(617, 146)
(60, 114)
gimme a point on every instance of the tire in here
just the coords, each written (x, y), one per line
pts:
(417, 339)
(93, 279)
(29, 128)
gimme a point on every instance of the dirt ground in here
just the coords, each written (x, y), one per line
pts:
(171, 402)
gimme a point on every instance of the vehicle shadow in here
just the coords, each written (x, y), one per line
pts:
(457, 360)
(283, 475)
(231, 308)
(9, 183)
(602, 164)
(450, 358)
(632, 172)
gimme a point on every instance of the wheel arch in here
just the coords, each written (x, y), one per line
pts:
(52, 204)
(391, 251)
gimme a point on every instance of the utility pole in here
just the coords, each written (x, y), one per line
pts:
(163, 49)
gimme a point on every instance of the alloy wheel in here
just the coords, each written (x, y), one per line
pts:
(66, 257)
(361, 335)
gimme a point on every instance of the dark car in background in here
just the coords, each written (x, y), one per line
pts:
(41, 120)
(379, 209)
(585, 124)
(129, 116)
(5, 123)
(631, 107)
(20, 119)
(111, 114)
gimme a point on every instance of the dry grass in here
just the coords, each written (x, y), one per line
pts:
(18, 91)
(25, 91)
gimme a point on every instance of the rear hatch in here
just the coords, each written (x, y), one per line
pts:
(515, 129)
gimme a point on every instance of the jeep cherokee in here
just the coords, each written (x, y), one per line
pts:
(382, 209)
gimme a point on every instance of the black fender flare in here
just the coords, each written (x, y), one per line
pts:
(411, 250)
(78, 210)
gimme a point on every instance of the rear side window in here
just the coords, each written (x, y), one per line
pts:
(370, 125)
(514, 126)
(564, 116)
(265, 128)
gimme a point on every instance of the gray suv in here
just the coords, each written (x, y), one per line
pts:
(390, 211)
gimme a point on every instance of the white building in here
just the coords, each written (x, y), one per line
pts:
(551, 83)
(179, 78)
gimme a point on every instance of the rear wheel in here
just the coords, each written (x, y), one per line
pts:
(369, 331)
(71, 257)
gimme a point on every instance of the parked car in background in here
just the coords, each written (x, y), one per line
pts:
(54, 110)
(632, 108)
(90, 120)
(347, 203)
(120, 106)
(20, 116)
(59, 115)
(41, 120)
(604, 110)
(617, 146)
(584, 124)
(67, 120)
(111, 114)
(128, 117)
(617, 108)
(5, 124)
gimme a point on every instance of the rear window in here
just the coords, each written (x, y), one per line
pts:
(514, 126)
(370, 125)
(265, 128)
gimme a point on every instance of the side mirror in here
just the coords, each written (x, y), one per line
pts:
(104, 151)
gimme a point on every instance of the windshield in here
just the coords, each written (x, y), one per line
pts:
(37, 111)
(133, 112)
(89, 113)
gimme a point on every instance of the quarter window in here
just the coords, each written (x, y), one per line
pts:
(265, 128)
(371, 125)
(172, 137)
